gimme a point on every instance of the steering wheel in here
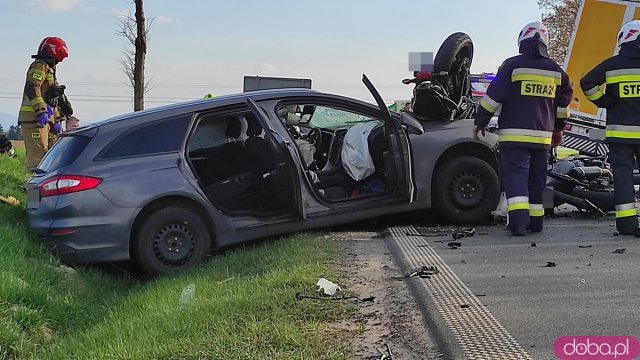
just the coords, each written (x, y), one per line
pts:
(314, 137)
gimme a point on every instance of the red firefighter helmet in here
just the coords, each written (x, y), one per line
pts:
(54, 47)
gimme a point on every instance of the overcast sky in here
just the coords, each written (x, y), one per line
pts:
(200, 46)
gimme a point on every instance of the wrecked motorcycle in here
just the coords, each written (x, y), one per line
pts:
(445, 93)
(585, 182)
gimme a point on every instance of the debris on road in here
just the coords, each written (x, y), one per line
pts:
(619, 251)
(585, 246)
(327, 287)
(383, 356)
(454, 245)
(460, 233)
(300, 296)
(550, 264)
(465, 306)
(425, 235)
(423, 272)
(533, 244)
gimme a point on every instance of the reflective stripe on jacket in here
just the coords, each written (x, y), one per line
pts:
(533, 94)
(40, 77)
(620, 94)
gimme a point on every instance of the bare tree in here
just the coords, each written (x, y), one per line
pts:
(136, 32)
(559, 16)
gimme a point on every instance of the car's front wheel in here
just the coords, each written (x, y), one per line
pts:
(466, 190)
(170, 239)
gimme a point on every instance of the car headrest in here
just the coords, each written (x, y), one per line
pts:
(253, 126)
(234, 127)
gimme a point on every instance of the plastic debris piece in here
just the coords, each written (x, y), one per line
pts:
(533, 244)
(187, 296)
(550, 264)
(619, 251)
(327, 287)
(424, 272)
(461, 233)
(585, 246)
(11, 200)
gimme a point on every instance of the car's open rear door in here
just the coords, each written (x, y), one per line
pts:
(287, 173)
(398, 157)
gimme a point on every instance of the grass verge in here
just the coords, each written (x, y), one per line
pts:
(240, 305)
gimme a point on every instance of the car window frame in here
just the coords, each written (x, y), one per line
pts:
(101, 155)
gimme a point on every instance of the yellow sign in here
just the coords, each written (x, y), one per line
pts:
(535, 88)
(594, 40)
(630, 89)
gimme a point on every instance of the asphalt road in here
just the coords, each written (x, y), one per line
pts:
(591, 290)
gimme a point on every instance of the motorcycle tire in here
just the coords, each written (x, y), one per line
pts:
(602, 199)
(454, 55)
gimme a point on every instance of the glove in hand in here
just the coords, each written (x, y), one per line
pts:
(42, 119)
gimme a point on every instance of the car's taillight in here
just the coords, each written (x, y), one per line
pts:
(66, 184)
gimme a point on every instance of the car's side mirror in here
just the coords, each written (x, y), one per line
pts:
(413, 126)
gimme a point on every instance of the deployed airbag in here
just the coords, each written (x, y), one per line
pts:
(356, 159)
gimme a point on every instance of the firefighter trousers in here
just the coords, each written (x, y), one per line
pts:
(37, 141)
(524, 176)
(623, 159)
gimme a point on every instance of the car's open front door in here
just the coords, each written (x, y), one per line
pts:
(398, 157)
(286, 176)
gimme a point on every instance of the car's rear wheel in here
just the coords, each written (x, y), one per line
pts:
(171, 239)
(466, 189)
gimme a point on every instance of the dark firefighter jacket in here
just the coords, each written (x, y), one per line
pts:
(533, 93)
(621, 74)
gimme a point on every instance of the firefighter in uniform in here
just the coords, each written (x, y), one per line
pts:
(621, 76)
(40, 120)
(534, 94)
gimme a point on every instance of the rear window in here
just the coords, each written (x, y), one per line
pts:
(154, 138)
(65, 151)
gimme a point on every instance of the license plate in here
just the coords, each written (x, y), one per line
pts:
(579, 130)
(33, 197)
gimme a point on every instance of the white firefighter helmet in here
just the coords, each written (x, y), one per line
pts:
(534, 30)
(629, 32)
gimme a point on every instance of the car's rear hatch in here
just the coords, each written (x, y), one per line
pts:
(63, 153)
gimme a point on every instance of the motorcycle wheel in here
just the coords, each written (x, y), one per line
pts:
(602, 199)
(454, 58)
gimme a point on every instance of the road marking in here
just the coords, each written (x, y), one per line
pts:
(476, 333)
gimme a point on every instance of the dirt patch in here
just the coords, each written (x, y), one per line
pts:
(393, 318)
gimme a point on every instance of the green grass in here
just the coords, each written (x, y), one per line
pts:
(243, 306)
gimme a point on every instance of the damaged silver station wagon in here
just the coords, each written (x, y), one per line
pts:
(166, 186)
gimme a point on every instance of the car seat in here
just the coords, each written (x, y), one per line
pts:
(233, 151)
(261, 161)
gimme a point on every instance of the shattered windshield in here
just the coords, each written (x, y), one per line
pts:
(331, 118)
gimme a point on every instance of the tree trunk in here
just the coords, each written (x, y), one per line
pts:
(141, 52)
